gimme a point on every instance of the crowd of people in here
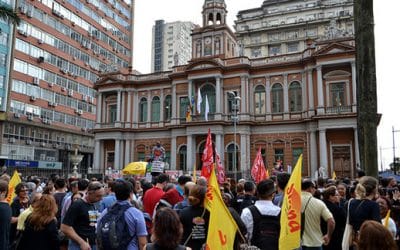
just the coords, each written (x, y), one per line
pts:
(133, 213)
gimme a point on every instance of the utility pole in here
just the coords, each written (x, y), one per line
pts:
(395, 163)
(366, 86)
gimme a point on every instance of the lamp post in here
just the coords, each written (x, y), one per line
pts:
(235, 119)
(394, 151)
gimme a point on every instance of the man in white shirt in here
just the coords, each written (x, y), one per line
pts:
(268, 217)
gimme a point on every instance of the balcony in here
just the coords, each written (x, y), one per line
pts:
(338, 110)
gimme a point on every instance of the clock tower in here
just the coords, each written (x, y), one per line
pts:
(214, 38)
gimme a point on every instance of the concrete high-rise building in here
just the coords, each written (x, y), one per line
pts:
(171, 45)
(283, 27)
(59, 50)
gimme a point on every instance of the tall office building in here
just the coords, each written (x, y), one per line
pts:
(171, 45)
(59, 51)
(283, 27)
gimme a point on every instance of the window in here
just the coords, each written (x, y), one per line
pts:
(183, 105)
(277, 98)
(296, 154)
(274, 50)
(256, 52)
(337, 95)
(182, 158)
(292, 47)
(112, 113)
(231, 154)
(231, 103)
(209, 91)
(279, 156)
(295, 97)
(259, 100)
(167, 108)
(143, 110)
(155, 109)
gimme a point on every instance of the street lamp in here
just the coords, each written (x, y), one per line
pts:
(235, 119)
(394, 151)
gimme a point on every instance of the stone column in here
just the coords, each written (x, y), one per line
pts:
(310, 93)
(356, 150)
(99, 107)
(148, 108)
(321, 107)
(135, 114)
(173, 112)
(190, 94)
(129, 111)
(313, 153)
(323, 155)
(190, 155)
(162, 106)
(218, 98)
(97, 154)
(127, 152)
(268, 98)
(219, 145)
(285, 97)
(303, 92)
(123, 114)
(354, 85)
(173, 153)
(119, 106)
(243, 95)
(117, 154)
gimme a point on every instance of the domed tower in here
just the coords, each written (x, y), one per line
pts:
(214, 38)
(214, 12)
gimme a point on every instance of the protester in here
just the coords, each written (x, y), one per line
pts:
(385, 208)
(263, 218)
(195, 219)
(24, 215)
(153, 196)
(246, 200)
(20, 203)
(131, 232)
(239, 237)
(167, 231)
(41, 231)
(282, 180)
(364, 207)
(109, 199)
(331, 198)
(79, 224)
(374, 236)
(5, 216)
(314, 210)
(82, 188)
(181, 205)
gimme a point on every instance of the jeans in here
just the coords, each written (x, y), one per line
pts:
(72, 245)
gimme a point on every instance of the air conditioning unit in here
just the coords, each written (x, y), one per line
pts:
(11, 140)
(43, 144)
(29, 117)
(22, 32)
(40, 41)
(17, 115)
(51, 84)
(84, 98)
(28, 142)
(35, 81)
(91, 99)
(55, 145)
(51, 104)
(63, 89)
(84, 129)
(79, 111)
(29, 13)
(40, 59)
(22, 9)
(70, 92)
(33, 98)
(64, 71)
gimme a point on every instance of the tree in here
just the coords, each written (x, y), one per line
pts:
(366, 86)
(7, 13)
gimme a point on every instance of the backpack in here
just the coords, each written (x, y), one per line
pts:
(112, 230)
(303, 220)
(266, 229)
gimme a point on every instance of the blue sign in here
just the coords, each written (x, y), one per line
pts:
(22, 164)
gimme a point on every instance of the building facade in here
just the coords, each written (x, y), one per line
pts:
(291, 104)
(283, 27)
(168, 41)
(59, 51)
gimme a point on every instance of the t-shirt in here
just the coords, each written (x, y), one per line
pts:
(82, 217)
(136, 224)
(59, 197)
(195, 226)
(151, 198)
(5, 222)
(17, 208)
(362, 210)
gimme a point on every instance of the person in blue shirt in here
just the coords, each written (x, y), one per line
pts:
(110, 199)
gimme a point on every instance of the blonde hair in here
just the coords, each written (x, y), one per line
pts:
(366, 186)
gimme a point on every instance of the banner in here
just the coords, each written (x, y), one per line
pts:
(208, 157)
(289, 238)
(222, 227)
(258, 171)
(14, 181)
(157, 167)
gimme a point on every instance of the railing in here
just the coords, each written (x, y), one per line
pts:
(338, 110)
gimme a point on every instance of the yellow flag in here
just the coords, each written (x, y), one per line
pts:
(334, 175)
(15, 180)
(386, 220)
(289, 237)
(222, 227)
(194, 174)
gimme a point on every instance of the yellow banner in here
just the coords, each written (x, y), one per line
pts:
(222, 227)
(15, 180)
(289, 237)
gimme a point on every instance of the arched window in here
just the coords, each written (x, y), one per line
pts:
(219, 19)
(167, 108)
(210, 20)
(277, 98)
(155, 109)
(182, 158)
(143, 110)
(112, 113)
(230, 161)
(295, 97)
(209, 91)
(259, 100)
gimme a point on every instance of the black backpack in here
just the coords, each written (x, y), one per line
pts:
(112, 230)
(266, 229)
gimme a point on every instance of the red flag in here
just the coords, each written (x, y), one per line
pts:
(207, 158)
(220, 169)
(258, 171)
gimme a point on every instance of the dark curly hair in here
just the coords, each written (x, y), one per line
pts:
(167, 229)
